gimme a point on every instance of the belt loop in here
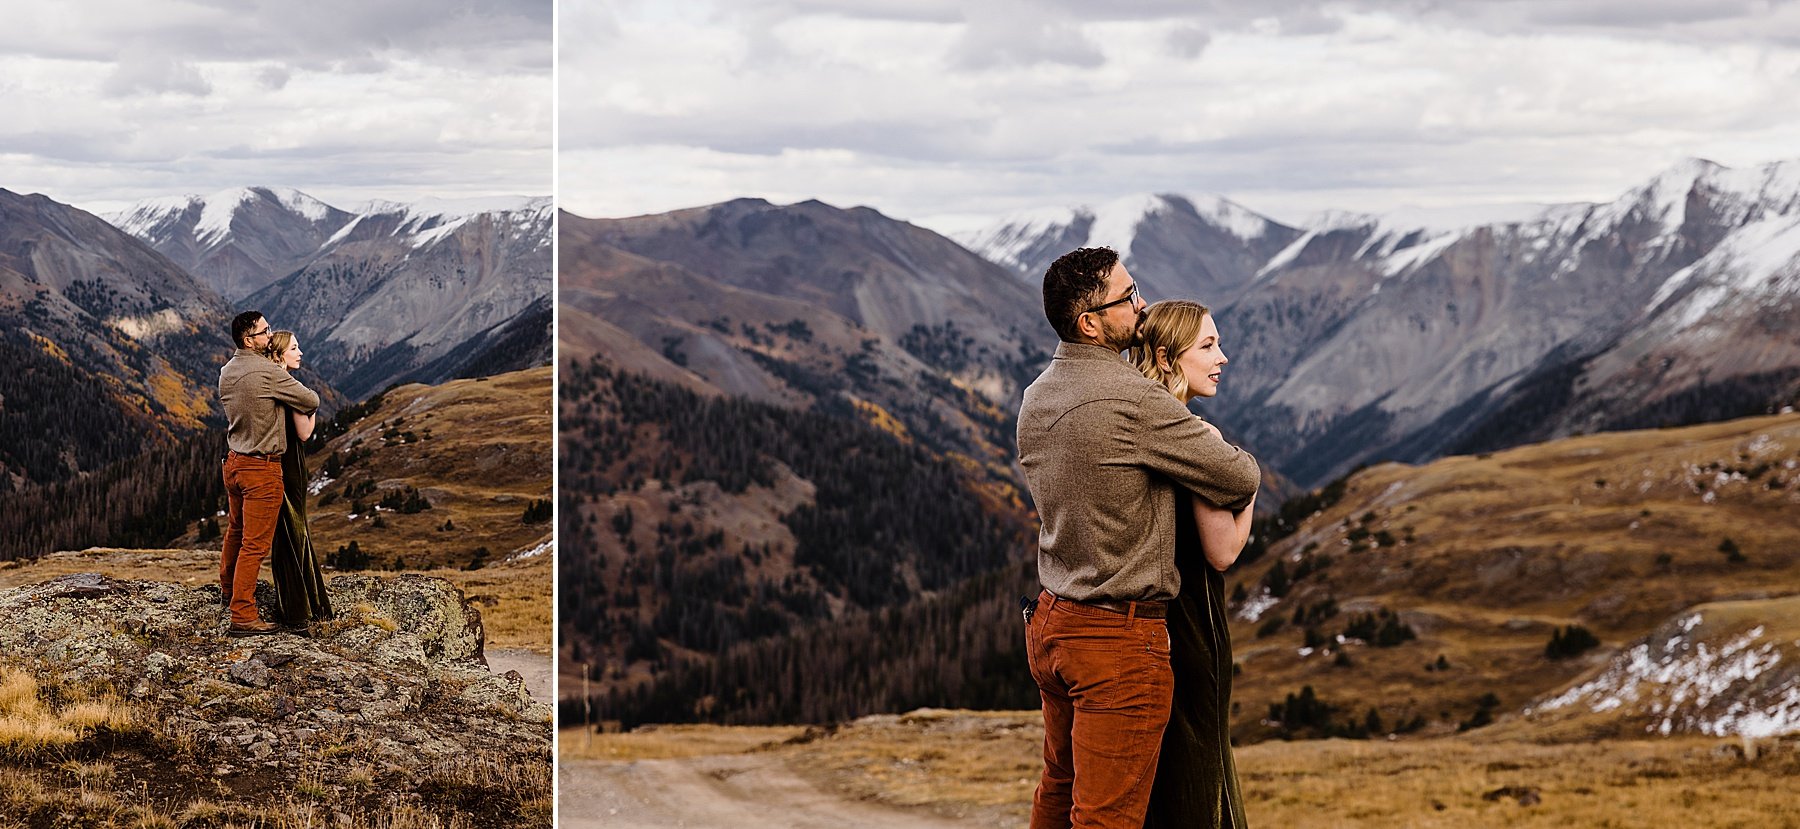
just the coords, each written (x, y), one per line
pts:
(1131, 613)
(1053, 599)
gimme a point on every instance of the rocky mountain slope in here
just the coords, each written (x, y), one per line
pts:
(809, 306)
(1174, 245)
(387, 291)
(237, 240)
(422, 292)
(1409, 335)
(109, 346)
(383, 714)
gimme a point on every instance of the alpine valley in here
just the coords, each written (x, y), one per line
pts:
(113, 329)
(787, 445)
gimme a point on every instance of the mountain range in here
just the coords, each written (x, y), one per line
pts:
(423, 291)
(1418, 333)
(113, 334)
(1355, 339)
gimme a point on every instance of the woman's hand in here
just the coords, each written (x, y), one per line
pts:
(1213, 429)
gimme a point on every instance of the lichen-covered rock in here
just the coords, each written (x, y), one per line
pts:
(398, 679)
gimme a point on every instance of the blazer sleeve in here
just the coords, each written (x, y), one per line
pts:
(1173, 442)
(285, 389)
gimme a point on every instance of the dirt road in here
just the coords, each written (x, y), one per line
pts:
(535, 667)
(737, 791)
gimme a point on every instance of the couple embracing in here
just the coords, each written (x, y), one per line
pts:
(1143, 505)
(269, 415)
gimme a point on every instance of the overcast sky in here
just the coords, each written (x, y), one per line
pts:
(103, 102)
(948, 113)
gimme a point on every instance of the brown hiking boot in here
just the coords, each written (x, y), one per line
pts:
(257, 628)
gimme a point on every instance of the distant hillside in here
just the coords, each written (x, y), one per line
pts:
(1447, 583)
(434, 476)
(692, 525)
(109, 347)
(1488, 559)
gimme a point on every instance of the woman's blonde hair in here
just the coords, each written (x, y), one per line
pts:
(278, 342)
(1173, 325)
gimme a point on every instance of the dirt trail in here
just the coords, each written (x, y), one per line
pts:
(535, 667)
(737, 791)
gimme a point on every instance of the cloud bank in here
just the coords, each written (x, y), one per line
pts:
(946, 116)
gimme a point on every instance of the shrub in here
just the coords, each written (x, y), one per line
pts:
(1571, 641)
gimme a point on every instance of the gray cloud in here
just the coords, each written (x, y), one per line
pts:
(1007, 35)
(926, 111)
(274, 77)
(1188, 41)
(208, 94)
(144, 70)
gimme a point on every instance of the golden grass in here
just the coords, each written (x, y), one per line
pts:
(1692, 782)
(514, 599)
(30, 726)
(987, 763)
(669, 741)
(359, 614)
(190, 567)
(488, 456)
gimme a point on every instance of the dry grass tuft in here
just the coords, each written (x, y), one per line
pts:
(29, 726)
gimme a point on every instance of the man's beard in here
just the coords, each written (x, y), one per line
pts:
(1120, 339)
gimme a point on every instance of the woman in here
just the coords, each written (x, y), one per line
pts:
(1196, 778)
(299, 586)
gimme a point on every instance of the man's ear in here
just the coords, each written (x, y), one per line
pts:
(1087, 325)
(1162, 358)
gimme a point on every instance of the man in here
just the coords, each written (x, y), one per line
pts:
(1104, 449)
(253, 389)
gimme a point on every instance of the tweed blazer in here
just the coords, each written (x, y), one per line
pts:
(1104, 450)
(253, 388)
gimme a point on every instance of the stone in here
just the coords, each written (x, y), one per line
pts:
(251, 672)
(404, 687)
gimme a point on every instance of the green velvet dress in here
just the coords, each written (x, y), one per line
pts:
(1196, 778)
(299, 586)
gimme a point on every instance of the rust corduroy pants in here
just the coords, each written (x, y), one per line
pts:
(1106, 685)
(253, 497)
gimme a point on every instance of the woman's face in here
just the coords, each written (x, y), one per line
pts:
(1203, 362)
(290, 359)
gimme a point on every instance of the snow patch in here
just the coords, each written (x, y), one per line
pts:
(1115, 222)
(216, 216)
(1695, 686)
(1255, 606)
(543, 547)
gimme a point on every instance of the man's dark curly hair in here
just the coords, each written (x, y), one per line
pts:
(241, 325)
(1075, 282)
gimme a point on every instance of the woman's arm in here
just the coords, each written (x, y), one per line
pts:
(1222, 531)
(303, 423)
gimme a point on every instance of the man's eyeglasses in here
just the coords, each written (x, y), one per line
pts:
(258, 333)
(1126, 298)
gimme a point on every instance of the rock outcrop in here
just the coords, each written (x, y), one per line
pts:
(394, 689)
